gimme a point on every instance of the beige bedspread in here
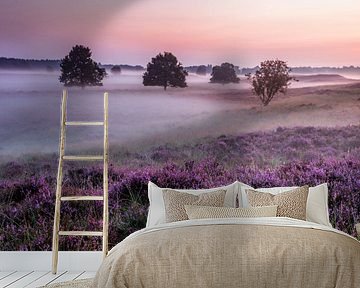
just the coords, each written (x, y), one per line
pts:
(233, 254)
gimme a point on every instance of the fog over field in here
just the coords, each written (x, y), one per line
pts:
(142, 116)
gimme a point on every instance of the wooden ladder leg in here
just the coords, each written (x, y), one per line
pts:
(105, 178)
(55, 243)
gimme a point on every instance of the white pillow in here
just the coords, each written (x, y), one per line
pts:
(156, 213)
(317, 209)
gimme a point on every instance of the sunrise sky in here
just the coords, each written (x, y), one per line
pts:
(244, 32)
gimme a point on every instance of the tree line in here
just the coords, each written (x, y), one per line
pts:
(164, 70)
(51, 65)
(28, 64)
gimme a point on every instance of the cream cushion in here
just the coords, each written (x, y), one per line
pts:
(290, 203)
(317, 210)
(175, 203)
(202, 212)
(156, 214)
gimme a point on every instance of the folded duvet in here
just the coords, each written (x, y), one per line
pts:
(237, 252)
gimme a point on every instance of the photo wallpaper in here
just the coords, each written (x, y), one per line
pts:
(201, 94)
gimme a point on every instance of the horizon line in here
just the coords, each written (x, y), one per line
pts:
(144, 66)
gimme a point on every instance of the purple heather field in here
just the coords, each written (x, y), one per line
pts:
(202, 136)
(284, 157)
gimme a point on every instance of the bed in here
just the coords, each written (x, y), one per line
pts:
(234, 251)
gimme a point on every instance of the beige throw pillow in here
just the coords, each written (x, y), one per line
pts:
(201, 212)
(156, 213)
(175, 201)
(290, 204)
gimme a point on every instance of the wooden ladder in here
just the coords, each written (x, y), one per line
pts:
(60, 198)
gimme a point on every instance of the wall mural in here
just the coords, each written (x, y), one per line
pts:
(201, 94)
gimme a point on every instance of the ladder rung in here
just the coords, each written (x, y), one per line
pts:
(81, 198)
(80, 233)
(83, 158)
(83, 123)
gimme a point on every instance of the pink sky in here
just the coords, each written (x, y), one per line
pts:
(322, 32)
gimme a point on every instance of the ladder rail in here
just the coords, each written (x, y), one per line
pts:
(105, 177)
(55, 244)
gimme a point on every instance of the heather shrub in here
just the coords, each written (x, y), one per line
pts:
(12, 170)
(263, 149)
(285, 157)
(26, 221)
(342, 177)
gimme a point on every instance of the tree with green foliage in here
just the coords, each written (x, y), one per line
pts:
(78, 69)
(224, 74)
(271, 78)
(164, 70)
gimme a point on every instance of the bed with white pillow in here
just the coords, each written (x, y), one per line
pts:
(210, 245)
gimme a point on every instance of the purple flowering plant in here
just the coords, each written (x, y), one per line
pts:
(27, 194)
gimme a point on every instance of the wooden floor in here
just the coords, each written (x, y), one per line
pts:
(32, 279)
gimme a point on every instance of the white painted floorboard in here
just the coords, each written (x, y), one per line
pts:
(68, 276)
(34, 279)
(4, 274)
(86, 275)
(12, 278)
(45, 280)
(28, 279)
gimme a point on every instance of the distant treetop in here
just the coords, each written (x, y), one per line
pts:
(78, 69)
(224, 74)
(116, 69)
(165, 70)
(201, 70)
(271, 78)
